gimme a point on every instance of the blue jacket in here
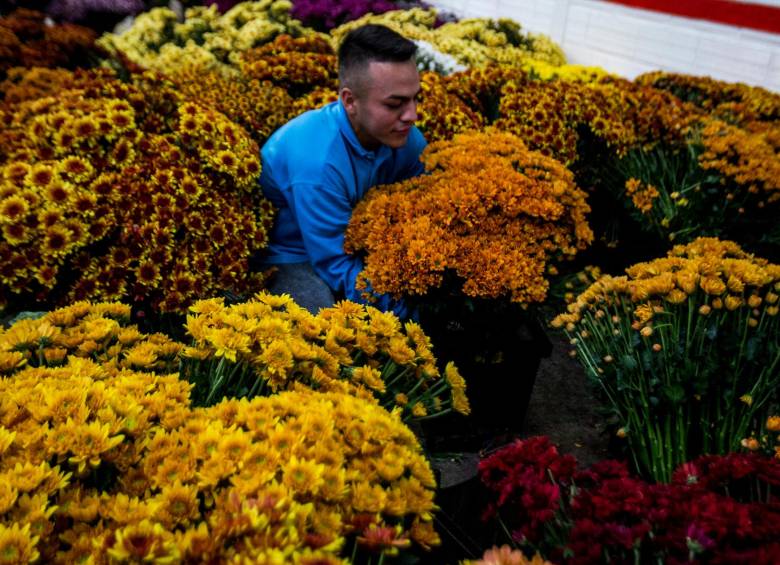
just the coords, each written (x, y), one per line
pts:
(315, 171)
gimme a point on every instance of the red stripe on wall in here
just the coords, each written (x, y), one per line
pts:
(755, 16)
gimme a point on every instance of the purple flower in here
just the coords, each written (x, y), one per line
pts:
(75, 10)
(327, 14)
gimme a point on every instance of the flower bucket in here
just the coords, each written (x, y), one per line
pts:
(498, 350)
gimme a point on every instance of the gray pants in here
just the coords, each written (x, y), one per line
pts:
(301, 282)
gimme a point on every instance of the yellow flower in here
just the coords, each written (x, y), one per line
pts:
(773, 423)
(277, 358)
(303, 476)
(178, 504)
(144, 541)
(17, 545)
(747, 399)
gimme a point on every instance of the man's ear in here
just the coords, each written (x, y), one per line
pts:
(348, 100)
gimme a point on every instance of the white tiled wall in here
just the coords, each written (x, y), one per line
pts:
(630, 41)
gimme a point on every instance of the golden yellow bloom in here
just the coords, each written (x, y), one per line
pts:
(17, 545)
(773, 423)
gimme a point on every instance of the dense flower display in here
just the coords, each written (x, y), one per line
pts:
(685, 350)
(327, 14)
(206, 38)
(100, 448)
(114, 189)
(732, 102)
(472, 42)
(491, 212)
(716, 510)
(26, 41)
(271, 344)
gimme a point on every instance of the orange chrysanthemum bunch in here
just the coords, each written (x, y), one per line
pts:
(123, 190)
(102, 461)
(271, 344)
(27, 41)
(490, 211)
(686, 348)
(747, 163)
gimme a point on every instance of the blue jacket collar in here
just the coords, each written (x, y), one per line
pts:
(349, 134)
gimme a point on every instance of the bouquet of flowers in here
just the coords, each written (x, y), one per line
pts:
(717, 509)
(116, 189)
(491, 213)
(271, 344)
(118, 467)
(685, 350)
(206, 38)
(474, 42)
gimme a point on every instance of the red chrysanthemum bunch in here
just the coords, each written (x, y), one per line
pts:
(115, 190)
(716, 509)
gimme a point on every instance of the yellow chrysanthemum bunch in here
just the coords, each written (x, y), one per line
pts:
(474, 42)
(271, 344)
(736, 103)
(490, 211)
(548, 115)
(686, 348)
(113, 189)
(542, 70)
(113, 465)
(205, 39)
(441, 114)
(99, 332)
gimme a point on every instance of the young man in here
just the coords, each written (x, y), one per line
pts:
(317, 167)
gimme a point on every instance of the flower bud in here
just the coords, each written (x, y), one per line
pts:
(750, 443)
(647, 331)
(657, 347)
(704, 310)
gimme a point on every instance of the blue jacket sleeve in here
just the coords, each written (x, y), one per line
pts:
(323, 212)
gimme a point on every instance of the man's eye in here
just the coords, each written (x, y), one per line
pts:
(394, 105)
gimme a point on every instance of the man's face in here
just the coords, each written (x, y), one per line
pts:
(383, 108)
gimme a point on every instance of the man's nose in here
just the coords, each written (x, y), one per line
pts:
(410, 112)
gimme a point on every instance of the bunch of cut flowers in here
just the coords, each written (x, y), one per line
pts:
(123, 190)
(721, 181)
(158, 41)
(103, 456)
(270, 344)
(487, 218)
(684, 349)
(716, 509)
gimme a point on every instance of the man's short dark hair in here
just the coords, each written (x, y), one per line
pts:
(369, 43)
